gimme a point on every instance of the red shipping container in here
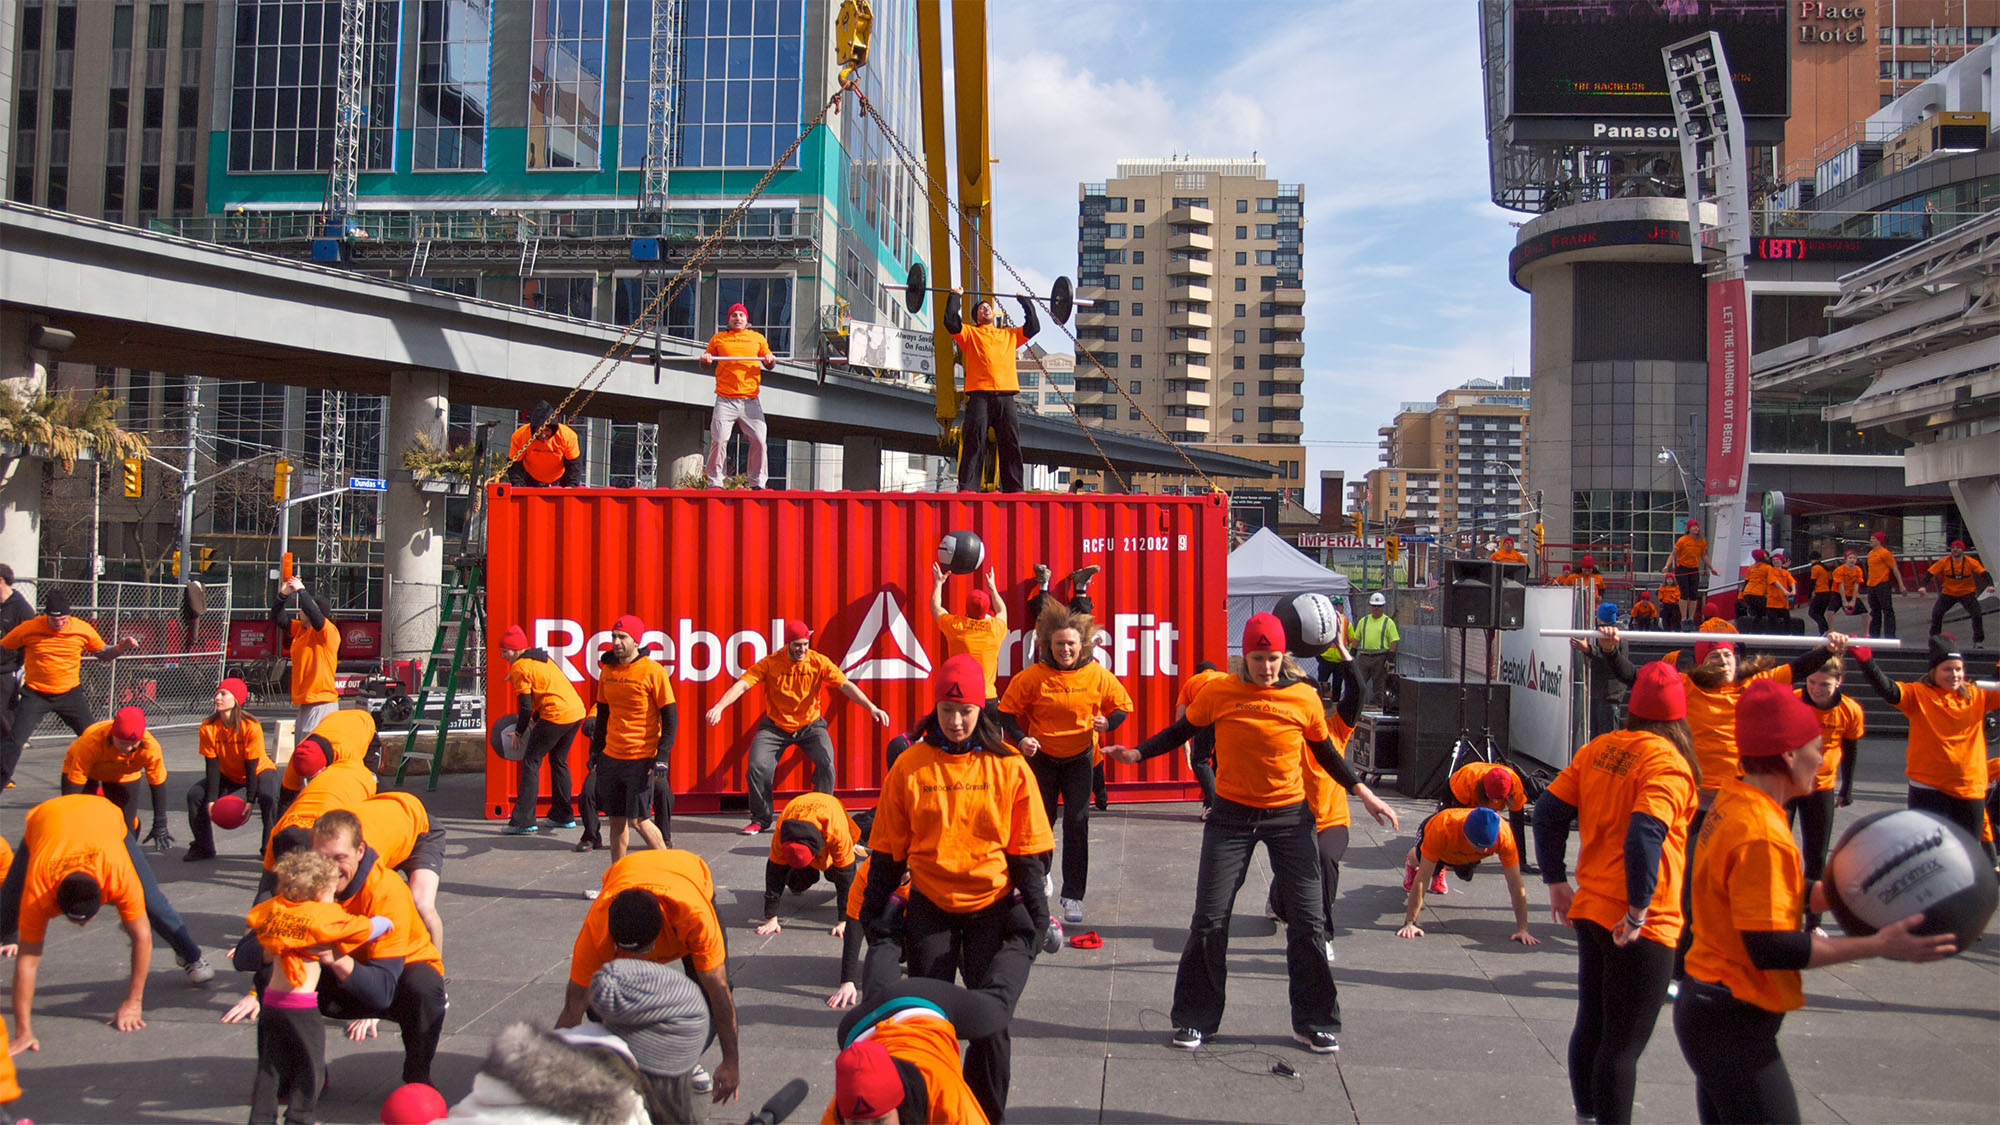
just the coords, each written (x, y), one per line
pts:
(715, 575)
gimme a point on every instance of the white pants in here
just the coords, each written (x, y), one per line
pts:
(731, 413)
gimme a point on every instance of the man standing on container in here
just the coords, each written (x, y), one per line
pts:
(740, 355)
(990, 387)
(794, 680)
(544, 453)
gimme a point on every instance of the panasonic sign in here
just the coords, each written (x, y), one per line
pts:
(1605, 131)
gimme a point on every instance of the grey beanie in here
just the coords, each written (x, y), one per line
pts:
(659, 1013)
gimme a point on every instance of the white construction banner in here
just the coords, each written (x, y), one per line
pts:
(888, 348)
(1543, 718)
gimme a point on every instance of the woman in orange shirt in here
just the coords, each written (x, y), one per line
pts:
(1054, 709)
(1946, 759)
(1821, 576)
(1748, 896)
(1633, 793)
(1841, 727)
(233, 758)
(960, 812)
(1750, 598)
(1847, 580)
(1778, 593)
(1690, 559)
(1266, 720)
(1670, 607)
(1882, 572)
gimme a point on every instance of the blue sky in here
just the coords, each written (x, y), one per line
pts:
(1373, 105)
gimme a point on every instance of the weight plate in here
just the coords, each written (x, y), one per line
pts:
(1062, 299)
(916, 288)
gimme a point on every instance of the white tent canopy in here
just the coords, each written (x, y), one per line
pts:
(1265, 568)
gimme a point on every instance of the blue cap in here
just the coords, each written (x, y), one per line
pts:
(1482, 828)
(1608, 613)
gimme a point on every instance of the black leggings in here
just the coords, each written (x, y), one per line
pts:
(1332, 844)
(1732, 1047)
(1068, 779)
(1619, 992)
(1968, 813)
(990, 951)
(1813, 813)
(291, 1064)
(1821, 605)
(1882, 610)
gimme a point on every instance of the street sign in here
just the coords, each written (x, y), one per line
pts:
(368, 484)
(888, 348)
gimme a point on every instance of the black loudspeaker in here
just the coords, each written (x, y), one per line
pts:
(1469, 597)
(1510, 592)
(1430, 729)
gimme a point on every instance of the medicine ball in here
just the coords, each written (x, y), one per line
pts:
(229, 812)
(1891, 865)
(1311, 623)
(504, 742)
(961, 552)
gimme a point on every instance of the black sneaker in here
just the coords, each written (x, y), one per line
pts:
(1187, 1038)
(1318, 1042)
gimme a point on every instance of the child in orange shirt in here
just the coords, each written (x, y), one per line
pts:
(303, 931)
(1670, 607)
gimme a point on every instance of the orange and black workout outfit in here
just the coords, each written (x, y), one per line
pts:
(991, 385)
(1946, 759)
(51, 680)
(918, 1024)
(1959, 577)
(1059, 707)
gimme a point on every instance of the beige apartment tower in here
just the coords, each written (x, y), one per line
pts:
(1196, 268)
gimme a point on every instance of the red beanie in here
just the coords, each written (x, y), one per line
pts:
(1587, 560)
(738, 307)
(1263, 633)
(865, 1082)
(1958, 544)
(308, 759)
(1694, 525)
(413, 1104)
(630, 625)
(796, 630)
(1771, 720)
(797, 854)
(1498, 784)
(237, 689)
(978, 604)
(1880, 537)
(515, 638)
(962, 679)
(1712, 625)
(1658, 693)
(1759, 555)
(128, 725)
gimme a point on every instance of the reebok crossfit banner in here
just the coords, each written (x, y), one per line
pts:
(1728, 386)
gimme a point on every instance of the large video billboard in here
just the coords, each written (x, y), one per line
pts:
(1601, 58)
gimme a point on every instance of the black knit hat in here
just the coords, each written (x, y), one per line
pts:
(55, 603)
(1944, 647)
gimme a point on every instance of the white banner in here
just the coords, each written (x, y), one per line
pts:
(888, 348)
(1539, 673)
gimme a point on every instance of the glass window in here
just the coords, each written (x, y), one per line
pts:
(566, 84)
(1240, 336)
(1138, 282)
(1114, 230)
(1134, 361)
(191, 24)
(1242, 258)
(1138, 308)
(286, 65)
(1138, 257)
(739, 97)
(121, 32)
(1241, 283)
(564, 296)
(769, 300)
(1236, 414)
(1138, 335)
(632, 295)
(1139, 206)
(454, 47)
(1236, 364)
(156, 26)
(1236, 388)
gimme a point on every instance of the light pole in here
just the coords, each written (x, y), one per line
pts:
(1668, 457)
(1522, 486)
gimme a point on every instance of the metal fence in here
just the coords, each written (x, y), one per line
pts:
(172, 675)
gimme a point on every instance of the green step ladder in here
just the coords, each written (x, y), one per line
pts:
(462, 616)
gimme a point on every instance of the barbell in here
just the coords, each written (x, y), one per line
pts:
(1061, 300)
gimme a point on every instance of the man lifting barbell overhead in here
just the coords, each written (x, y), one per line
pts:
(990, 387)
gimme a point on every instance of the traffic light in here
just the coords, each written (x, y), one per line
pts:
(207, 558)
(1538, 536)
(1360, 524)
(177, 564)
(135, 478)
(281, 481)
(1394, 547)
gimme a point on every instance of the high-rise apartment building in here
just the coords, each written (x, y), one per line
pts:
(1196, 268)
(1454, 466)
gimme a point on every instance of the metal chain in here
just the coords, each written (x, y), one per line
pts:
(630, 335)
(1111, 378)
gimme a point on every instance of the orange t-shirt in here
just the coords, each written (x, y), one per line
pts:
(1688, 550)
(1880, 563)
(1645, 609)
(1711, 718)
(286, 929)
(1839, 725)
(1947, 738)
(929, 1043)
(1192, 686)
(384, 892)
(824, 812)
(391, 823)
(347, 734)
(1467, 781)
(989, 357)
(1057, 706)
(1822, 579)
(1779, 593)
(635, 693)
(1670, 594)
(1847, 580)
(1612, 777)
(859, 891)
(1260, 738)
(555, 698)
(239, 754)
(1746, 876)
(315, 658)
(1756, 580)
(681, 882)
(342, 785)
(1444, 841)
(544, 459)
(1327, 798)
(792, 688)
(64, 835)
(1508, 555)
(93, 757)
(738, 379)
(979, 637)
(955, 818)
(51, 661)
(1957, 578)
